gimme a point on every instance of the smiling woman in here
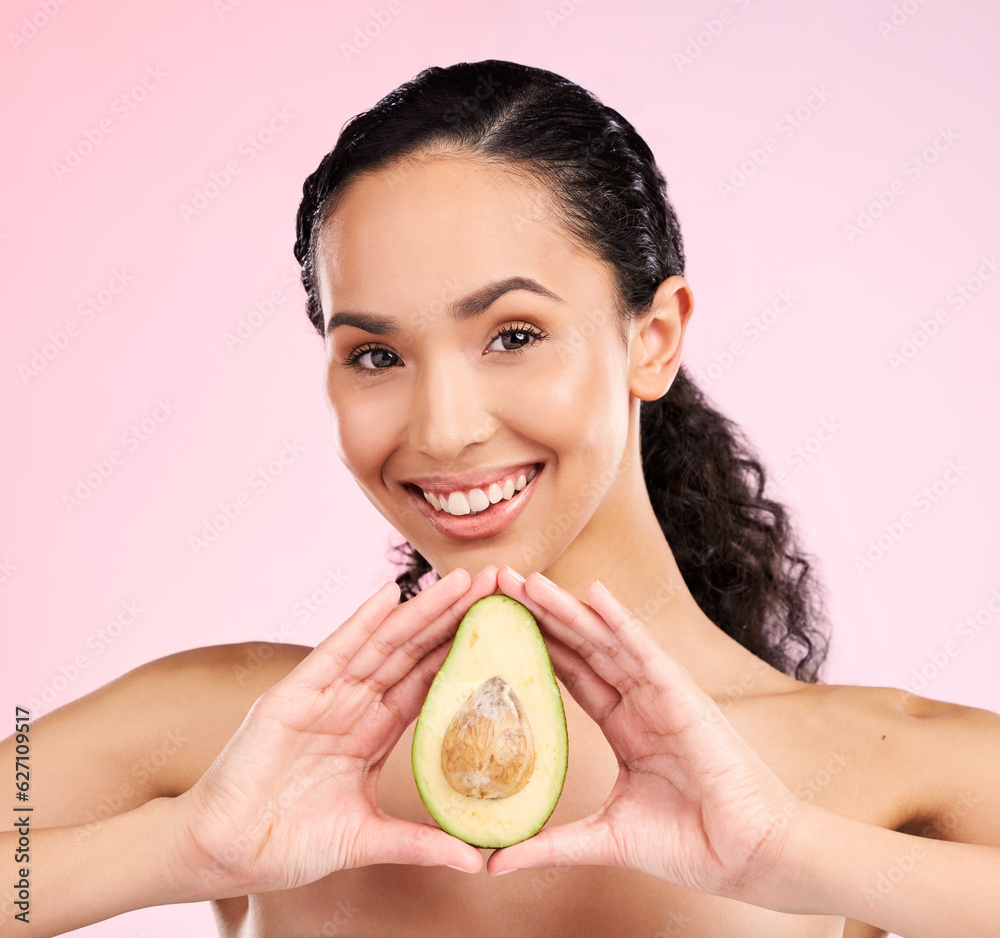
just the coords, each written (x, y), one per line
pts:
(538, 177)
(501, 290)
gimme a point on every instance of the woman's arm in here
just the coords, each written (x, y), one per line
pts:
(102, 770)
(290, 798)
(75, 876)
(695, 805)
(914, 886)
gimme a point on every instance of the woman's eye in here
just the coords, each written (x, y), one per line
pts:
(520, 337)
(371, 359)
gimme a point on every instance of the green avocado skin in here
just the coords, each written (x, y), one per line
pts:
(475, 611)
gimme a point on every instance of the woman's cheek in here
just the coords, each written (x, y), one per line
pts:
(361, 425)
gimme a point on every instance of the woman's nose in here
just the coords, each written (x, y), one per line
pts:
(449, 410)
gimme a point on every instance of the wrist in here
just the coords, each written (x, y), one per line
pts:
(194, 874)
(811, 856)
(785, 872)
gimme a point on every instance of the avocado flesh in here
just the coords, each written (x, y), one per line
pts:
(490, 745)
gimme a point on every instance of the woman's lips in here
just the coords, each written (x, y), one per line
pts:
(487, 523)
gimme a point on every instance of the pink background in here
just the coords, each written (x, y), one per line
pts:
(215, 74)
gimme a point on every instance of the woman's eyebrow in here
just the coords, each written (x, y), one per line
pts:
(472, 305)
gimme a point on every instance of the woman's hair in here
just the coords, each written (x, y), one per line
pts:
(736, 549)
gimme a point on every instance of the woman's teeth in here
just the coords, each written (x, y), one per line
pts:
(477, 500)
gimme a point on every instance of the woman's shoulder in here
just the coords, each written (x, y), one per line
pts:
(941, 759)
(201, 695)
(152, 732)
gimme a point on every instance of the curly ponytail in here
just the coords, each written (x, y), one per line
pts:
(735, 548)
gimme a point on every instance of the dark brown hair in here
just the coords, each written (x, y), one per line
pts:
(735, 548)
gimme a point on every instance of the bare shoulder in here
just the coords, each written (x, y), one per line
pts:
(199, 698)
(940, 760)
(150, 733)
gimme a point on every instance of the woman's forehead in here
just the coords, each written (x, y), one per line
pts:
(450, 226)
(441, 203)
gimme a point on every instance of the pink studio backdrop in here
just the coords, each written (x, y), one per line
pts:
(834, 169)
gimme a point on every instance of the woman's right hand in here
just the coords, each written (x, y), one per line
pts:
(292, 796)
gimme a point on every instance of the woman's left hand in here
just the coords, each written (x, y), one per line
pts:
(693, 803)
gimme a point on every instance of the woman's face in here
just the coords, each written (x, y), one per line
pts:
(455, 386)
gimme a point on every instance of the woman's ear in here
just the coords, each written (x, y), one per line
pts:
(655, 351)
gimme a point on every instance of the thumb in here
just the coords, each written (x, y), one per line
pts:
(581, 843)
(391, 840)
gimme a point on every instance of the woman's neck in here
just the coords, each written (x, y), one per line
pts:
(623, 546)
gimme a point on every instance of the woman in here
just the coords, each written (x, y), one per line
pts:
(498, 276)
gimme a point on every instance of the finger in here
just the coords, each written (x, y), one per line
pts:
(376, 641)
(411, 648)
(683, 702)
(634, 635)
(387, 839)
(332, 656)
(597, 697)
(404, 699)
(328, 659)
(581, 843)
(562, 615)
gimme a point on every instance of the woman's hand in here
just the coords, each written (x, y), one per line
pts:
(692, 804)
(292, 796)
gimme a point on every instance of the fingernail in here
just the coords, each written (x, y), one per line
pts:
(544, 578)
(511, 572)
(501, 873)
(601, 586)
(460, 870)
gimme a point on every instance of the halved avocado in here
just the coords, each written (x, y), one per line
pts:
(490, 746)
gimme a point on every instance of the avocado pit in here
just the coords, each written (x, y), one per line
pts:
(488, 749)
